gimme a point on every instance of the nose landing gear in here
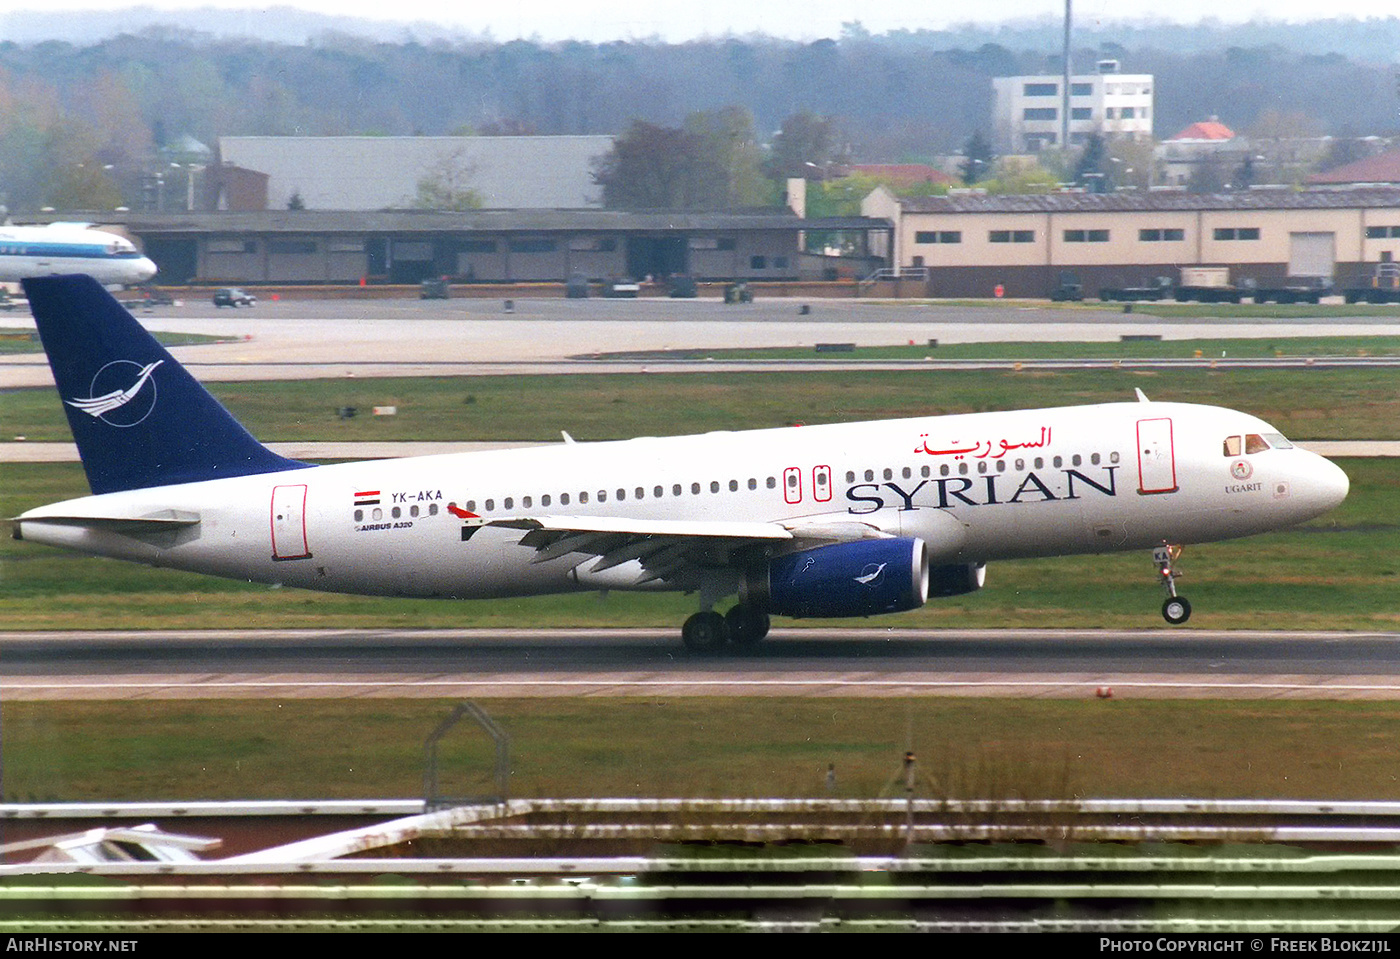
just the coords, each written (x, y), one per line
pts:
(1175, 609)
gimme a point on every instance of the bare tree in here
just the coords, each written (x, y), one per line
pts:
(446, 184)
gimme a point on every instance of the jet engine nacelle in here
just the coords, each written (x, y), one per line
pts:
(957, 580)
(846, 579)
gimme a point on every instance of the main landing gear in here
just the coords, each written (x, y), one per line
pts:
(708, 631)
(1175, 609)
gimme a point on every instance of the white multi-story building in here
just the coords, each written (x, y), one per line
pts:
(1115, 105)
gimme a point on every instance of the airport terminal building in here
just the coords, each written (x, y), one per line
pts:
(971, 244)
(493, 246)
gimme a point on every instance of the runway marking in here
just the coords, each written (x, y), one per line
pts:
(524, 686)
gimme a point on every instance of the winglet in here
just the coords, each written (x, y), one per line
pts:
(138, 417)
(1142, 397)
(567, 438)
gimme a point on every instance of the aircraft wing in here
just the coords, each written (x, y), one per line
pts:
(668, 549)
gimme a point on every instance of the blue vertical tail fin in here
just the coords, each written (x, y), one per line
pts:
(138, 417)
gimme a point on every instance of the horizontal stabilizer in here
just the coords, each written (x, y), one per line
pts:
(128, 525)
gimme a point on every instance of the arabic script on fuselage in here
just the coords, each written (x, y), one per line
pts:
(982, 449)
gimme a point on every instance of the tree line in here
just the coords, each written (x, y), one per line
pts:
(90, 123)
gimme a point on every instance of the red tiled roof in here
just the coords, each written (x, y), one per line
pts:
(1381, 168)
(1206, 130)
(903, 172)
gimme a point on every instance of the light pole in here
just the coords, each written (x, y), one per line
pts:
(1064, 99)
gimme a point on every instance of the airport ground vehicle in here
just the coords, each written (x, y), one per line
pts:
(1069, 290)
(234, 297)
(434, 289)
(1383, 286)
(738, 292)
(1211, 284)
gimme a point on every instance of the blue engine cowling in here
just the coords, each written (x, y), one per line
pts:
(846, 579)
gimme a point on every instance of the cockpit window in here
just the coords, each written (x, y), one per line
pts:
(1255, 443)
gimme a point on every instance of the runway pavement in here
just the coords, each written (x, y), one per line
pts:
(1104, 664)
(298, 339)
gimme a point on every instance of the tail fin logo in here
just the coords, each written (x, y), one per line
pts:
(119, 398)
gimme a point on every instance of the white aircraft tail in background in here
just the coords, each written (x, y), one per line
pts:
(830, 521)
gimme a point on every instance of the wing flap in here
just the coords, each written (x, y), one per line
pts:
(627, 526)
(665, 549)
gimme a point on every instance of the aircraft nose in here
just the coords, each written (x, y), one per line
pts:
(1327, 484)
(147, 268)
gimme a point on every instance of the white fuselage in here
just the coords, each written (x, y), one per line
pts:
(29, 251)
(974, 488)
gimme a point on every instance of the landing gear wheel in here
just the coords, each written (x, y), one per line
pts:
(705, 631)
(747, 626)
(1176, 610)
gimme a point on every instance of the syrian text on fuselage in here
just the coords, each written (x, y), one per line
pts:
(990, 489)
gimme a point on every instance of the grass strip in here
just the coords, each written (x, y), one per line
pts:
(1303, 404)
(27, 341)
(982, 748)
(1261, 348)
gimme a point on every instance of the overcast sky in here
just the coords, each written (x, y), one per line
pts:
(802, 19)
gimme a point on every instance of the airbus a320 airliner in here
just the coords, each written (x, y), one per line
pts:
(819, 521)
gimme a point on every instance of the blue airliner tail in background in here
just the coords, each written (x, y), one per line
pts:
(138, 417)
